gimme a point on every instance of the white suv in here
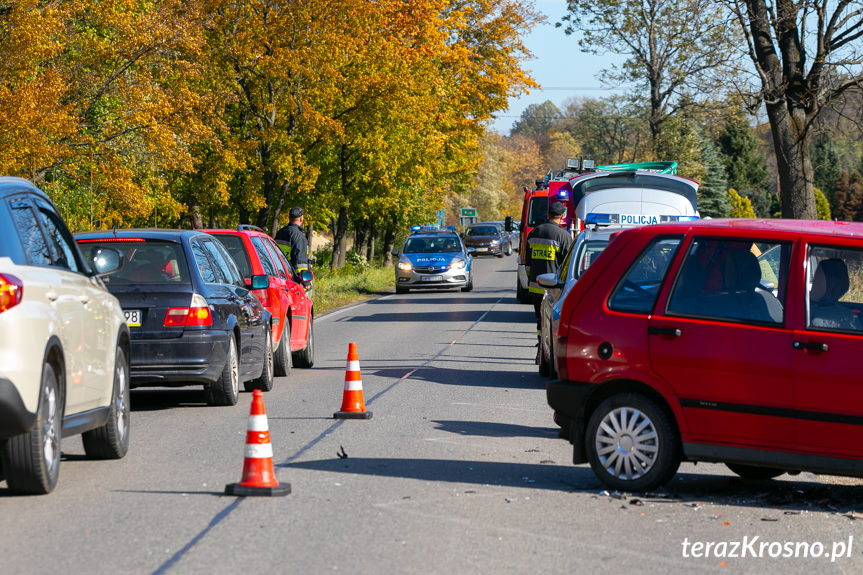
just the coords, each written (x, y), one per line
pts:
(64, 344)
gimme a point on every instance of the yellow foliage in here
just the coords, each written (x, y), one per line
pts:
(741, 206)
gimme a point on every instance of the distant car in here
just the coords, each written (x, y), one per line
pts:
(433, 259)
(192, 318)
(286, 298)
(64, 344)
(488, 238)
(732, 341)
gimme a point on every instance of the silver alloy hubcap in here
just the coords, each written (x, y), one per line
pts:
(50, 437)
(235, 370)
(627, 443)
(121, 403)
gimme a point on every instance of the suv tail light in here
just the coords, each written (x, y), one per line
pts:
(11, 291)
(197, 314)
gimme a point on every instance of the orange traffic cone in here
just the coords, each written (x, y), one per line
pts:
(353, 406)
(259, 478)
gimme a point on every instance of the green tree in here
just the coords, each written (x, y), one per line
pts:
(740, 206)
(673, 47)
(713, 198)
(807, 56)
(822, 205)
(610, 130)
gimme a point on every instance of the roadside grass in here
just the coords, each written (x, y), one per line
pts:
(337, 288)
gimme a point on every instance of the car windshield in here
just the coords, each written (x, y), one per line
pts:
(481, 231)
(234, 245)
(147, 261)
(431, 245)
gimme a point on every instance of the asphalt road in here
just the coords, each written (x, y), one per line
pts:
(458, 471)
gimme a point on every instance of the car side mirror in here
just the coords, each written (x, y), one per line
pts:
(306, 278)
(548, 281)
(107, 261)
(260, 282)
(395, 252)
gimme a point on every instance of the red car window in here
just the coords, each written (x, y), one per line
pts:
(266, 262)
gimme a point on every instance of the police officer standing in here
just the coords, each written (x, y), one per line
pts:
(292, 240)
(547, 245)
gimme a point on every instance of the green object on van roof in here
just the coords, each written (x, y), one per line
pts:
(656, 167)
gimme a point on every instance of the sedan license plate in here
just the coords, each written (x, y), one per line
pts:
(431, 278)
(133, 317)
(482, 249)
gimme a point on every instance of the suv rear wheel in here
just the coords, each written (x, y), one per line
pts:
(31, 461)
(631, 444)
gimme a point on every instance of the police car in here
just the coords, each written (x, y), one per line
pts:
(433, 257)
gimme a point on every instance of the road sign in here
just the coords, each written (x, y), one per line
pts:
(468, 212)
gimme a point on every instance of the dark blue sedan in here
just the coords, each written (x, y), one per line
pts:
(191, 315)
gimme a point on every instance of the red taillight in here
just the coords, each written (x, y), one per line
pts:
(197, 314)
(11, 291)
(263, 297)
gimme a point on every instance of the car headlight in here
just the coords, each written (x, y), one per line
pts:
(457, 264)
(495, 242)
(405, 265)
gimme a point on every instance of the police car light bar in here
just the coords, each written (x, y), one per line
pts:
(665, 219)
(597, 219)
(433, 228)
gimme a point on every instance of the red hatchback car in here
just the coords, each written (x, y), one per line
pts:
(733, 341)
(285, 298)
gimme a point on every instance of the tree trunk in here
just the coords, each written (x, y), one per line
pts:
(195, 218)
(793, 163)
(370, 251)
(389, 242)
(269, 177)
(340, 232)
(360, 237)
(277, 209)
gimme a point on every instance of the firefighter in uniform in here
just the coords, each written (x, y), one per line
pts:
(292, 240)
(547, 245)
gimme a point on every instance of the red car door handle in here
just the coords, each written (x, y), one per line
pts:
(673, 331)
(813, 346)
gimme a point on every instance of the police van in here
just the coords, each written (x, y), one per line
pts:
(608, 203)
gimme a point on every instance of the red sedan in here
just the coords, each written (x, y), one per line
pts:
(285, 298)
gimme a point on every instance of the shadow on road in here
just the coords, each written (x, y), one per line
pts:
(778, 497)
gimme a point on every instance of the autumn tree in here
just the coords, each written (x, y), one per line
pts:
(672, 47)
(807, 57)
(99, 103)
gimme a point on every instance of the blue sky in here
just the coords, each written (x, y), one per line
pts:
(562, 70)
